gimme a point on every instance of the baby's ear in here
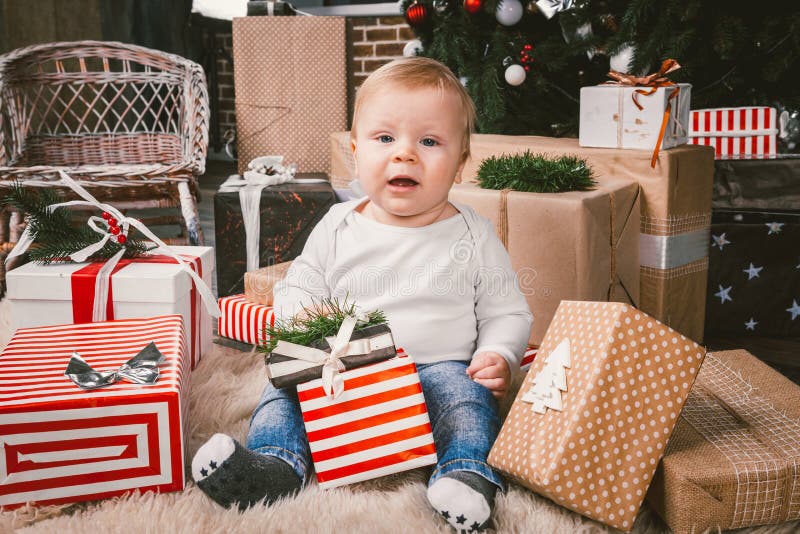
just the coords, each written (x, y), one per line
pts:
(459, 171)
(352, 145)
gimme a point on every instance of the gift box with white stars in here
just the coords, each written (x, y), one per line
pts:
(754, 274)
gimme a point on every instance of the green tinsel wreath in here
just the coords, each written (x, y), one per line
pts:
(536, 173)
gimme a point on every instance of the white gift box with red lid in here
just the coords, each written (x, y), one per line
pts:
(743, 132)
(60, 443)
(378, 426)
(244, 321)
(146, 286)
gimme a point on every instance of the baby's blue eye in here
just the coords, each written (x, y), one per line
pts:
(385, 139)
(429, 142)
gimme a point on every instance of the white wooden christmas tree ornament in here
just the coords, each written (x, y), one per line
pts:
(551, 381)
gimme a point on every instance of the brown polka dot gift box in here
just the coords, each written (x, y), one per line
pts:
(592, 418)
(733, 460)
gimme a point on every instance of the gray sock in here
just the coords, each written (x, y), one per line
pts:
(465, 499)
(230, 473)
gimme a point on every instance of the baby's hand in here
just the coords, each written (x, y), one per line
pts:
(490, 370)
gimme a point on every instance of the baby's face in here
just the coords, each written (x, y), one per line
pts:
(408, 152)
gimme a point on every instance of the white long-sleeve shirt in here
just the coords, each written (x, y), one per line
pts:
(447, 289)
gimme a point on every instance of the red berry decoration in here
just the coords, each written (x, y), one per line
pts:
(121, 239)
(525, 58)
(106, 215)
(473, 6)
(111, 221)
(416, 14)
(113, 229)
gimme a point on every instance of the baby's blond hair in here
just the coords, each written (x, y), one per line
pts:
(415, 73)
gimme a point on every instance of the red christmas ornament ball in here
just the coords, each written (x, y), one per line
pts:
(473, 6)
(106, 215)
(114, 229)
(121, 239)
(416, 14)
(111, 221)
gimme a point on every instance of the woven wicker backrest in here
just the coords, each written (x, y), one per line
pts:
(101, 103)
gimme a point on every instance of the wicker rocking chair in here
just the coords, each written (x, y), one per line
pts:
(128, 123)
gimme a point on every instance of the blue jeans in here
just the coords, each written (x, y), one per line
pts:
(463, 416)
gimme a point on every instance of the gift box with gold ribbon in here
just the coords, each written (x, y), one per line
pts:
(733, 460)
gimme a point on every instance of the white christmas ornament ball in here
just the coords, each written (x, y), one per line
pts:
(412, 48)
(621, 61)
(509, 12)
(515, 74)
(464, 80)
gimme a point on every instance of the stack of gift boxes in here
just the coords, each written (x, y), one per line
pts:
(64, 442)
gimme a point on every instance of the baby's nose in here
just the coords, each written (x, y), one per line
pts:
(404, 153)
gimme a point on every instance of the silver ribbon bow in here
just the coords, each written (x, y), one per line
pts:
(551, 7)
(102, 282)
(332, 381)
(141, 369)
(250, 187)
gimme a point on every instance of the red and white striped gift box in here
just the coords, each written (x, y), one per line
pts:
(747, 132)
(527, 358)
(60, 443)
(377, 427)
(244, 321)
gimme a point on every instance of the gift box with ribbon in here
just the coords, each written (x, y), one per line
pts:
(732, 461)
(594, 257)
(745, 132)
(93, 410)
(377, 426)
(647, 112)
(262, 221)
(244, 321)
(593, 416)
(259, 284)
(289, 364)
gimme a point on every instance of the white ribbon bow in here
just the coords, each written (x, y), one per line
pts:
(249, 187)
(341, 346)
(102, 282)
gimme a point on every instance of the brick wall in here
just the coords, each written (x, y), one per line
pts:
(372, 41)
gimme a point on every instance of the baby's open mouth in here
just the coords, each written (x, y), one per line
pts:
(403, 182)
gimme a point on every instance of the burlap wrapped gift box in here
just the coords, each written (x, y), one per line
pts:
(676, 213)
(626, 379)
(578, 245)
(734, 458)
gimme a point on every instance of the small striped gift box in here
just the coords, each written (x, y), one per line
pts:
(747, 132)
(244, 321)
(60, 443)
(527, 358)
(377, 427)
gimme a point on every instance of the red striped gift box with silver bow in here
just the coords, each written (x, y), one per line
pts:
(378, 426)
(244, 321)
(747, 132)
(60, 443)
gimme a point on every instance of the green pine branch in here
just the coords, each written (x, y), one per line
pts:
(55, 234)
(322, 320)
(535, 173)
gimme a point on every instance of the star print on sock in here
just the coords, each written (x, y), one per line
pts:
(445, 514)
(475, 526)
(753, 271)
(720, 240)
(213, 464)
(794, 310)
(774, 227)
(460, 519)
(724, 294)
(751, 324)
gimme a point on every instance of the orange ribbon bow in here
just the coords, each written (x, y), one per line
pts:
(653, 81)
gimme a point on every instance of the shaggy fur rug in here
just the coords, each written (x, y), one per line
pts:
(224, 390)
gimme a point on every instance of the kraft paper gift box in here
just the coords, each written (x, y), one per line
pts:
(60, 443)
(244, 321)
(593, 257)
(609, 118)
(290, 76)
(732, 461)
(675, 204)
(145, 286)
(287, 214)
(378, 426)
(593, 416)
(258, 284)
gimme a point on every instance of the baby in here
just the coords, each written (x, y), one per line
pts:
(438, 272)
